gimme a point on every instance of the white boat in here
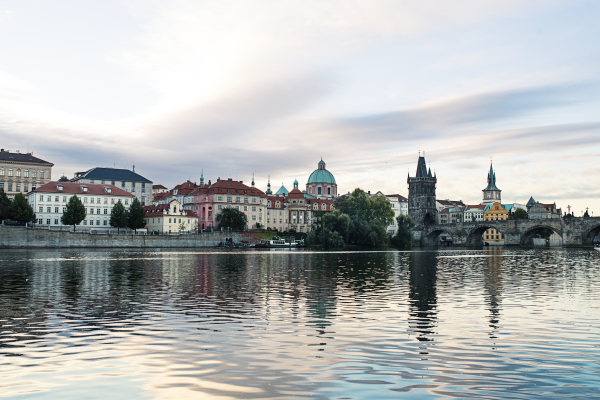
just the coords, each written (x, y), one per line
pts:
(277, 243)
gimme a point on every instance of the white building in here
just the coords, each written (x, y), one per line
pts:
(49, 201)
(399, 204)
(170, 218)
(474, 213)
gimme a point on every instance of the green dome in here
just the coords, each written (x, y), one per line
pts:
(321, 175)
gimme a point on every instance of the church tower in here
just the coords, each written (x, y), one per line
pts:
(491, 194)
(202, 177)
(269, 192)
(421, 195)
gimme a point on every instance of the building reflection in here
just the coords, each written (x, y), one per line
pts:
(422, 295)
(492, 270)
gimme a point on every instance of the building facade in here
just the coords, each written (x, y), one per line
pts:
(126, 180)
(22, 173)
(421, 195)
(494, 212)
(399, 204)
(208, 200)
(49, 202)
(474, 213)
(170, 218)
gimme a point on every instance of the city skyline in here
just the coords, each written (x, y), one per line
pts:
(271, 88)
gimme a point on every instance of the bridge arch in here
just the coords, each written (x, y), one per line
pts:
(588, 237)
(433, 237)
(475, 237)
(527, 236)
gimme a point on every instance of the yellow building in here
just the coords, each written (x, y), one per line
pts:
(494, 212)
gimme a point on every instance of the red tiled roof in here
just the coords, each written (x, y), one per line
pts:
(451, 202)
(398, 196)
(479, 206)
(158, 187)
(76, 188)
(234, 187)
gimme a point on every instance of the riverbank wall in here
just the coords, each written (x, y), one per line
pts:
(21, 237)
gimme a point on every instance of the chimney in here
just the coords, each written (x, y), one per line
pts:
(229, 179)
(134, 168)
(2, 150)
(218, 179)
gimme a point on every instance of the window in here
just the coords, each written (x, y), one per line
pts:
(319, 190)
(245, 208)
(18, 187)
(49, 198)
(237, 208)
(41, 210)
(169, 220)
(26, 173)
(123, 185)
(85, 200)
(40, 221)
(91, 181)
(48, 221)
(98, 200)
(143, 188)
(33, 173)
(112, 201)
(48, 210)
(108, 190)
(64, 199)
(254, 199)
(219, 198)
(64, 209)
(105, 222)
(55, 221)
(237, 199)
(19, 172)
(102, 182)
(328, 190)
(126, 201)
(10, 172)
(143, 199)
(112, 183)
(56, 199)
(56, 210)
(1, 171)
(105, 200)
(106, 211)
(229, 199)
(254, 218)
(220, 207)
(253, 208)
(97, 211)
(245, 199)
(41, 174)
(91, 222)
(179, 220)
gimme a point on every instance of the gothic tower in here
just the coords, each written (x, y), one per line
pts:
(421, 195)
(202, 177)
(491, 194)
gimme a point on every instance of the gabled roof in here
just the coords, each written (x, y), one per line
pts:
(400, 198)
(22, 158)
(531, 202)
(112, 174)
(282, 190)
(158, 187)
(78, 188)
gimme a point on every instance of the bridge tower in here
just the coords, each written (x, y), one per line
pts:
(421, 195)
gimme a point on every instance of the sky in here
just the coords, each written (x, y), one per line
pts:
(270, 87)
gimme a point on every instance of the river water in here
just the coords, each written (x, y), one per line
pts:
(496, 323)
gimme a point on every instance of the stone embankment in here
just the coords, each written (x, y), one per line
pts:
(21, 237)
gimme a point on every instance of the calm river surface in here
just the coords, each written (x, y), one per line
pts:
(497, 323)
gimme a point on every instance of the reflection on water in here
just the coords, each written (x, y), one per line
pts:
(493, 323)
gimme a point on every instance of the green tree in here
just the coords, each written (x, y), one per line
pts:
(404, 236)
(119, 217)
(21, 210)
(231, 218)
(5, 206)
(520, 214)
(136, 215)
(74, 213)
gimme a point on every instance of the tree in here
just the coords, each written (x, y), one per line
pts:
(182, 226)
(404, 236)
(520, 214)
(5, 206)
(74, 213)
(21, 210)
(232, 218)
(136, 215)
(119, 217)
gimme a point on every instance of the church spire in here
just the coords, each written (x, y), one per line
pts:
(253, 179)
(202, 177)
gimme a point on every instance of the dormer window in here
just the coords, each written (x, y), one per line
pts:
(84, 188)
(175, 191)
(107, 189)
(59, 187)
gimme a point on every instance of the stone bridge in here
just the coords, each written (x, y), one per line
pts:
(573, 231)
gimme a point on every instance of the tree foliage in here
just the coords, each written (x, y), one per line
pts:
(5, 206)
(21, 210)
(119, 217)
(520, 214)
(358, 219)
(232, 218)
(74, 213)
(404, 236)
(136, 215)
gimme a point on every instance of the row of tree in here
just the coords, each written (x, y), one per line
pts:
(20, 210)
(120, 218)
(17, 210)
(362, 220)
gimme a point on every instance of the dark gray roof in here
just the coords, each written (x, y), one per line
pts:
(491, 180)
(20, 157)
(422, 168)
(113, 174)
